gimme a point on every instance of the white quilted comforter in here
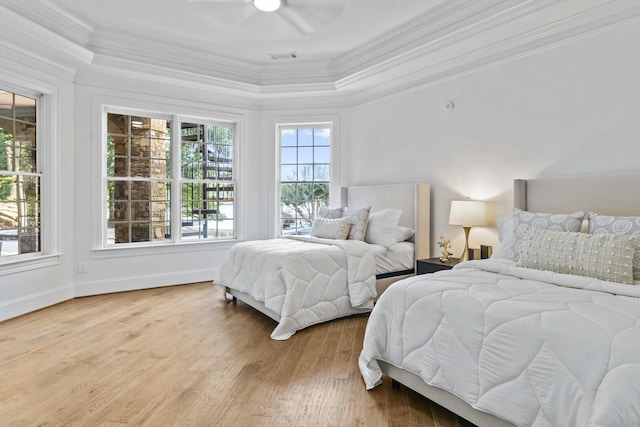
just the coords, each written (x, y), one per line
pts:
(534, 348)
(307, 280)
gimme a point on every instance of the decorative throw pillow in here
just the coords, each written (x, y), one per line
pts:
(382, 227)
(404, 233)
(629, 225)
(328, 228)
(522, 220)
(330, 212)
(359, 218)
(601, 256)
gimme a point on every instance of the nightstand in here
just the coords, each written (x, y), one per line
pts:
(431, 265)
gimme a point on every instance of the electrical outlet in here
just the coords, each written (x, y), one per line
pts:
(82, 267)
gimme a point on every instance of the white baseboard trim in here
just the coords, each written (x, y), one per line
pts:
(132, 283)
(39, 300)
(33, 302)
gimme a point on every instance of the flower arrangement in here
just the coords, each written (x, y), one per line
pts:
(445, 248)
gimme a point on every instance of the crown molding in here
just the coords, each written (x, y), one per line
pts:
(416, 74)
(135, 77)
(454, 38)
(41, 42)
(33, 71)
(53, 18)
(135, 70)
(450, 23)
(179, 58)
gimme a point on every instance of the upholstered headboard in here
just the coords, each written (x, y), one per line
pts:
(617, 194)
(413, 199)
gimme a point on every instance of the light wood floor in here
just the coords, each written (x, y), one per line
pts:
(181, 356)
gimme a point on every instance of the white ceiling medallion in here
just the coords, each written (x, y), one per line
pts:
(267, 5)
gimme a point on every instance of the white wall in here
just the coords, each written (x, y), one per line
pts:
(572, 109)
(32, 284)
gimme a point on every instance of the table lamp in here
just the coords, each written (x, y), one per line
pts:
(467, 213)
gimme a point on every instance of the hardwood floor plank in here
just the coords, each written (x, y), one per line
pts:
(182, 356)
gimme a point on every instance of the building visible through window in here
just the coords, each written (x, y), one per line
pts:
(141, 176)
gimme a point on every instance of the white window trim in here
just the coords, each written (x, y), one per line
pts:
(176, 219)
(47, 158)
(333, 180)
(100, 248)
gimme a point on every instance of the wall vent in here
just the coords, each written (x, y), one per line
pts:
(279, 56)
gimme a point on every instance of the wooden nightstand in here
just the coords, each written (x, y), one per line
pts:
(431, 265)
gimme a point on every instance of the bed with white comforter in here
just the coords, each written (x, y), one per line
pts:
(303, 279)
(531, 347)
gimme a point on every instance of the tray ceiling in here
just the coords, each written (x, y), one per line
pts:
(337, 45)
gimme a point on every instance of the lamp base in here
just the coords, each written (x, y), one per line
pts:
(465, 253)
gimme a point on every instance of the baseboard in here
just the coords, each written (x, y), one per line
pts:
(33, 302)
(133, 283)
(37, 301)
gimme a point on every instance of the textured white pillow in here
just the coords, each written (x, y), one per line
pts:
(330, 212)
(404, 233)
(601, 256)
(382, 227)
(359, 218)
(522, 220)
(629, 225)
(329, 228)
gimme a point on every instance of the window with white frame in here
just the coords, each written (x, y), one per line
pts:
(206, 157)
(148, 156)
(20, 176)
(305, 171)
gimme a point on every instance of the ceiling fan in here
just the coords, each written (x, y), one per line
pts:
(305, 16)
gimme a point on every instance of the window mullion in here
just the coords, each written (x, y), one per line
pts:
(176, 179)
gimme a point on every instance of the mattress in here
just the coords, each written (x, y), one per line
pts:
(396, 258)
(531, 347)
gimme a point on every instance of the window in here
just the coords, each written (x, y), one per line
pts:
(207, 185)
(20, 178)
(305, 170)
(141, 174)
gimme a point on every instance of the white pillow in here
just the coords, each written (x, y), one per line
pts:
(359, 218)
(330, 212)
(328, 228)
(382, 227)
(522, 220)
(506, 237)
(505, 227)
(404, 233)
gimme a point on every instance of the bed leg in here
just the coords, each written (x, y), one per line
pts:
(228, 297)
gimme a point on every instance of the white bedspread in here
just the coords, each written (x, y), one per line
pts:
(534, 348)
(307, 280)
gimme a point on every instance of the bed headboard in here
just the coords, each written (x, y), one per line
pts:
(413, 199)
(617, 195)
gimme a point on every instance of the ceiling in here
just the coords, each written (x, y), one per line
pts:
(348, 46)
(314, 29)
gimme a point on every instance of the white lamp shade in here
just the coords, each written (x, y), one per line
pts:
(267, 5)
(468, 213)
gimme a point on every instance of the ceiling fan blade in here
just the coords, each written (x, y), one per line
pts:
(295, 19)
(220, 1)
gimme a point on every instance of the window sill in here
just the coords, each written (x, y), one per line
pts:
(162, 248)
